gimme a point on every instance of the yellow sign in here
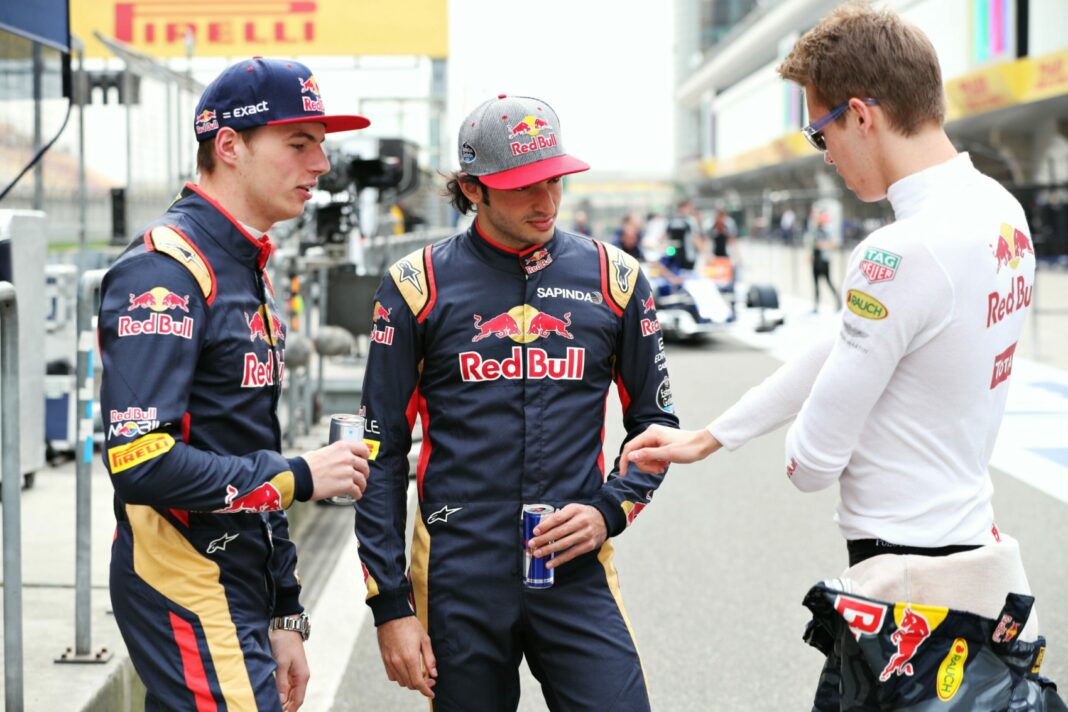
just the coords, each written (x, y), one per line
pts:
(145, 448)
(951, 671)
(246, 28)
(1008, 84)
(865, 305)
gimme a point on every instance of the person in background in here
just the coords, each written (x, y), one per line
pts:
(628, 236)
(820, 246)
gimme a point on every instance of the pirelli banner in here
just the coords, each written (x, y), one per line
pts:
(243, 28)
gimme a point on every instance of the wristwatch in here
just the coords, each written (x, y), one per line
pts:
(299, 624)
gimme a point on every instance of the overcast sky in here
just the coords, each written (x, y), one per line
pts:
(605, 66)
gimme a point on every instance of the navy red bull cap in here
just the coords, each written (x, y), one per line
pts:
(514, 141)
(265, 92)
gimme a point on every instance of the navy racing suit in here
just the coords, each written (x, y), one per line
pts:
(193, 353)
(507, 358)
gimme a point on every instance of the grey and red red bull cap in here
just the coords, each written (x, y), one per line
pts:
(514, 141)
(265, 92)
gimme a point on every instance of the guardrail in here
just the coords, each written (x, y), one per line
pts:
(11, 489)
(88, 288)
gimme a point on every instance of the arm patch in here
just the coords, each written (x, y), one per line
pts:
(414, 277)
(171, 242)
(619, 275)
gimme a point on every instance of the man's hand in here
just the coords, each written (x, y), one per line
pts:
(339, 468)
(407, 655)
(292, 674)
(658, 446)
(571, 532)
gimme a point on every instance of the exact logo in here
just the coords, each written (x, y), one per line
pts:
(248, 110)
(865, 305)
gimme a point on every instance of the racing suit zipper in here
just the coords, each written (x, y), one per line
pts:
(276, 366)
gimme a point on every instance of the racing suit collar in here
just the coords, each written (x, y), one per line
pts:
(910, 194)
(250, 249)
(531, 260)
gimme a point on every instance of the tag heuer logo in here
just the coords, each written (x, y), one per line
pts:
(879, 265)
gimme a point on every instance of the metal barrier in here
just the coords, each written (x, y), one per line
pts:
(87, 291)
(11, 489)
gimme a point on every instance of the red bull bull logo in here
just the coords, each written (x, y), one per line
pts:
(529, 126)
(158, 299)
(537, 261)
(523, 324)
(380, 313)
(909, 636)
(277, 328)
(265, 498)
(647, 305)
(313, 102)
(1011, 247)
(265, 326)
(206, 121)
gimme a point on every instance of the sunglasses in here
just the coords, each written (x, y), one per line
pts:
(814, 131)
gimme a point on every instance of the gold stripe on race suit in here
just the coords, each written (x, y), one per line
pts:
(605, 557)
(623, 273)
(409, 274)
(159, 550)
(168, 241)
(420, 568)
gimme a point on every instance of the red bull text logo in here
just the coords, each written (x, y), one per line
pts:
(532, 130)
(523, 324)
(537, 260)
(132, 413)
(999, 306)
(1002, 367)
(158, 299)
(1007, 630)
(258, 373)
(536, 366)
(650, 326)
(157, 324)
(265, 498)
(909, 636)
(1012, 246)
(161, 23)
(313, 102)
(206, 121)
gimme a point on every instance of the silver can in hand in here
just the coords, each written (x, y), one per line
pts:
(349, 427)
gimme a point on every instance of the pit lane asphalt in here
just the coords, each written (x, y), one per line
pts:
(713, 572)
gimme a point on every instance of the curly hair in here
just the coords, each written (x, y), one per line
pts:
(454, 192)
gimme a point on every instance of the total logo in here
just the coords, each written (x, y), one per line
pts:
(313, 102)
(1011, 247)
(522, 324)
(206, 121)
(1002, 367)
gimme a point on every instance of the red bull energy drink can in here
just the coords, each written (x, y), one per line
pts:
(535, 572)
(348, 427)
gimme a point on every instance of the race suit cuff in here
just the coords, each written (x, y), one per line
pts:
(389, 606)
(287, 603)
(615, 520)
(302, 479)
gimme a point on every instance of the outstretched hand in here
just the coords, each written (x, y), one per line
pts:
(654, 449)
